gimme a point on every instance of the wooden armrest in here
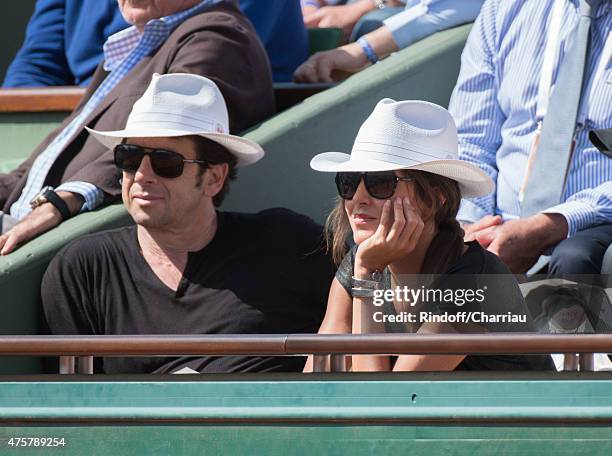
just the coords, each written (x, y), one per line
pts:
(60, 99)
(40, 99)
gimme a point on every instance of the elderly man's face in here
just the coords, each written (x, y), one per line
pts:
(139, 12)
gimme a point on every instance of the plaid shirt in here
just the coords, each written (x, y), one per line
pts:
(123, 51)
(119, 46)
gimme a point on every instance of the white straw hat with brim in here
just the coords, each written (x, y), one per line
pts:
(181, 104)
(408, 135)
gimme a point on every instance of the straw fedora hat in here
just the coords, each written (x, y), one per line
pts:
(408, 135)
(180, 104)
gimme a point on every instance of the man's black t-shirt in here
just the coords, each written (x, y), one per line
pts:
(476, 269)
(262, 273)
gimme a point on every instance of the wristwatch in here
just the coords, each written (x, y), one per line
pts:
(48, 195)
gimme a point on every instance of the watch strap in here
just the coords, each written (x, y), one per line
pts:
(59, 204)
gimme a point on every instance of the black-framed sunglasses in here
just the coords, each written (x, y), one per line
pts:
(380, 185)
(165, 163)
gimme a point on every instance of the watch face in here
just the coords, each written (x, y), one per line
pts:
(40, 197)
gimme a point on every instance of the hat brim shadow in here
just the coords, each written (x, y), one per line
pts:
(246, 151)
(472, 180)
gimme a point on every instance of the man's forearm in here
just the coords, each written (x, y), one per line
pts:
(74, 201)
(91, 195)
(587, 208)
(550, 229)
(382, 42)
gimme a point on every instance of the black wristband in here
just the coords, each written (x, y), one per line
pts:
(59, 204)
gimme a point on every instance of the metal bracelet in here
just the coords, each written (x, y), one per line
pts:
(380, 4)
(371, 284)
(359, 292)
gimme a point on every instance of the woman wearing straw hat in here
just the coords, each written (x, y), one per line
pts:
(400, 190)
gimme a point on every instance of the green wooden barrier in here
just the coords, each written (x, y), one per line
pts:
(437, 414)
(324, 122)
(22, 132)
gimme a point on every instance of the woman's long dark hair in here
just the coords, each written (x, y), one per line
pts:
(445, 248)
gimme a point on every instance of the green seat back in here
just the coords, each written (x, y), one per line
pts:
(323, 39)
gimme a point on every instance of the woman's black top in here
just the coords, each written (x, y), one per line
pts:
(495, 292)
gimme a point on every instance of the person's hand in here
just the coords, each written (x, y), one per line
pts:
(341, 16)
(397, 235)
(40, 220)
(308, 10)
(333, 65)
(519, 243)
(482, 229)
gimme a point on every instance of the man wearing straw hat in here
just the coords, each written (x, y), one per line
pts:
(186, 268)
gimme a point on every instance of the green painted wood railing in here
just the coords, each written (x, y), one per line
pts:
(458, 413)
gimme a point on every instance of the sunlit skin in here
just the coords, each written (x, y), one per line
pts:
(139, 12)
(341, 16)
(518, 243)
(407, 239)
(339, 63)
(159, 203)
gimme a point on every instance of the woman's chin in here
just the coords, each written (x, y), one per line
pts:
(361, 235)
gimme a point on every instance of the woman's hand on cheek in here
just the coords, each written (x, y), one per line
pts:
(397, 235)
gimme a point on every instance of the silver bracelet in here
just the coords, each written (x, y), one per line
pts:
(370, 284)
(359, 292)
(380, 4)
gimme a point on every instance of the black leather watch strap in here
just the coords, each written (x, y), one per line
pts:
(59, 203)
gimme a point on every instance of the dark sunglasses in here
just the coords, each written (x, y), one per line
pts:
(379, 185)
(165, 163)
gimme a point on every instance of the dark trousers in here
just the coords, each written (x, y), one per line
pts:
(582, 253)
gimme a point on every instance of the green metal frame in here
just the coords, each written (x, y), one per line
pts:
(462, 414)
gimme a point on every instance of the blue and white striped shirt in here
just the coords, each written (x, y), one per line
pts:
(422, 18)
(494, 106)
(156, 31)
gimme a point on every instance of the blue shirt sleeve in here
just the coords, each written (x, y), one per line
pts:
(63, 43)
(280, 27)
(587, 208)
(41, 61)
(426, 17)
(476, 110)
